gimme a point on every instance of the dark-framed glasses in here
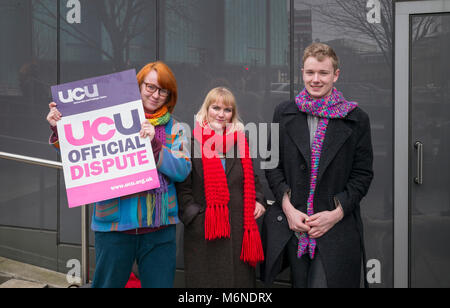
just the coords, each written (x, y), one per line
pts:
(151, 88)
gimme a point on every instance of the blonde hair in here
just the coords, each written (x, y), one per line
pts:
(228, 100)
(320, 51)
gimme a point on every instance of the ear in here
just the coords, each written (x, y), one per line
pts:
(336, 75)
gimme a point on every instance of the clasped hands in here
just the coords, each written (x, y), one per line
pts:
(316, 225)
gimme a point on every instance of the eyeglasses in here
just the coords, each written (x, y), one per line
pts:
(151, 88)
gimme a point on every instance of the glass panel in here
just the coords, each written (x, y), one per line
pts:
(430, 104)
(28, 68)
(362, 37)
(112, 36)
(226, 43)
(242, 45)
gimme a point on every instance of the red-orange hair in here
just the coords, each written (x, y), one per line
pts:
(166, 80)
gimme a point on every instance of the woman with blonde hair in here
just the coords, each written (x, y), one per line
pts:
(142, 227)
(220, 200)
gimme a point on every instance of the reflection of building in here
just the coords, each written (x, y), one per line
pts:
(302, 36)
(302, 30)
(13, 52)
(355, 55)
(430, 46)
(249, 33)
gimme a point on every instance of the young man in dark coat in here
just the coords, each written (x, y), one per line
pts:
(323, 172)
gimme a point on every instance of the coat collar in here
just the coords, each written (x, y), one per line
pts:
(337, 134)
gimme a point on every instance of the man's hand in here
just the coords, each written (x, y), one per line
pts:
(322, 222)
(296, 219)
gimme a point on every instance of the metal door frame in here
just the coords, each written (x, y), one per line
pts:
(403, 11)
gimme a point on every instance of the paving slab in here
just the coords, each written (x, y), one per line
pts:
(22, 284)
(4, 278)
(31, 273)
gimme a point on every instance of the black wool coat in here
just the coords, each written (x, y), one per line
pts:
(216, 263)
(345, 173)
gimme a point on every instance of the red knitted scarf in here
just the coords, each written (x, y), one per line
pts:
(217, 195)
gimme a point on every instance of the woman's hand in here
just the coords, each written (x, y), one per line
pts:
(259, 210)
(54, 115)
(147, 130)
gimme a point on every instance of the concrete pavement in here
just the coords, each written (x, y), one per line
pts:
(15, 274)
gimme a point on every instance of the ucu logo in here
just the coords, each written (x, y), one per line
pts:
(78, 94)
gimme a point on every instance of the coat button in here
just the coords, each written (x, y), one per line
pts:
(303, 167)
(280, 218)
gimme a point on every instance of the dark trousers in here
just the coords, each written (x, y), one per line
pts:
(155, 254)
(306, 273)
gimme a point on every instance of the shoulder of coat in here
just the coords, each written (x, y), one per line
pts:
(287, 107)
(358, 115)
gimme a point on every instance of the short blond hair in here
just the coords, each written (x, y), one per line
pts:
(320, 51)
(228, 100)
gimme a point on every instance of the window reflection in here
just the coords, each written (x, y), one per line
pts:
(227, 43)
(27, 69)
(114, 35)
(430, 110)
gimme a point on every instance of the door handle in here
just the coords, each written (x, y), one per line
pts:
(419, 178)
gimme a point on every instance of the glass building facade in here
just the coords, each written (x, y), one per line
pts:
(253, 47)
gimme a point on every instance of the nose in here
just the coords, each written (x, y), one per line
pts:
(156, 94)
(316, 77)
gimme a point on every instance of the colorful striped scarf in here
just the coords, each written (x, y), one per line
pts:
(160, 117)
(333, 106)
(158, 199)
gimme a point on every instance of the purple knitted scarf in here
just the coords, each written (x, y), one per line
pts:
(333, 106)
(158, 199)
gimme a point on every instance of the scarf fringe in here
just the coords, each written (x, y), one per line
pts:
(158, 209)
(150, 208)
(217, 223)
(252, 250)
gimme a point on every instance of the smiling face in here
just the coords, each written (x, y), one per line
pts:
(151, 101)
(319, 76)
(219, 115)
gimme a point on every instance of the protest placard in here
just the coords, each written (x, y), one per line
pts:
(102, 153)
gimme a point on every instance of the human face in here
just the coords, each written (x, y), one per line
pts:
(219, 115)
(319, 77)
(151, 101)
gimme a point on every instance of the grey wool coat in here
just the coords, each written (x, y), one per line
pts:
(214, 264)
(345, 173)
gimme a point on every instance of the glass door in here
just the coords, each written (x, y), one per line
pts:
(422, 144)
(430, 150)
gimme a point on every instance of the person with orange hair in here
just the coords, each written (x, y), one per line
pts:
(141, 227)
